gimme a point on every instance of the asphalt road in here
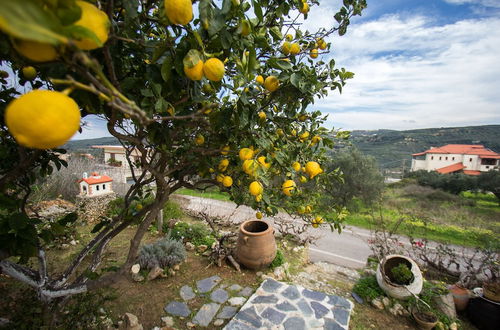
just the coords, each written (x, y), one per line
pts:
(348, 249)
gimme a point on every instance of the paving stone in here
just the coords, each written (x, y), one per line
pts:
(340, 302)
(206, 314)
(178, 309)
(250, 316)
(227, 312)
(237, 301)
(187, 293)
(313, 323)
(294, 323)
(304, 307)
(286, 307)
(314, 295)
(273, 315)
(332, 325)
(207, 284)
(291, 293)
(246, 292)
(237, 325)
(219, 296)
(265, 300)
(271, 285)
(319, 310)
(341, 316)
(235, 287)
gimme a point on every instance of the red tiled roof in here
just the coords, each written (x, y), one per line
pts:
(467, 149)
(96, 179)
(469, 172)
(451, 168)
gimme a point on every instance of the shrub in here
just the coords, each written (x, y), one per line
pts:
(367, 288)
(402, 274)
(278, 260)
(165, 252)
(198, 234)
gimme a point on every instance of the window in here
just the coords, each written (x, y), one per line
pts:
(452, 158)
(446, 158)
(470, 160)
(84, 188)
(97, 187)
(432, 157)
(440, 158)
(112, 156)
(104, 187)
(487, 166)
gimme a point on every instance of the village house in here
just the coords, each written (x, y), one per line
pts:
(117, 165)
(471, 159)
(95, 185)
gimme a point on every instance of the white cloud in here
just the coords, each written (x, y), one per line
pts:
(412, 73)
(486, 3)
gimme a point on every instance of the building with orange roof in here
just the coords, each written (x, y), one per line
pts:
(95, 185)
(471, 159)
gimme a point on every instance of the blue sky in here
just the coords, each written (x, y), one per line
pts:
(417, 64)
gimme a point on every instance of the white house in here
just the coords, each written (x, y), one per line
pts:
(95, 185)
(115, 158)
(471, 159)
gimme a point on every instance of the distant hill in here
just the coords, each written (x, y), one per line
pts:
(390, 148)
(84, 145)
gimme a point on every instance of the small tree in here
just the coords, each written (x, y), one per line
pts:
(490, 181)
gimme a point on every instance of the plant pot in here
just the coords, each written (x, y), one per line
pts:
(491, 291)
(256, 246)
(425, 320)
(461, 296)
(395, 290)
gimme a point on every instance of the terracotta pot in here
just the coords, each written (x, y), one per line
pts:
(395, 290)
(256, 246)
(461, 296)
(491, 291)
(425, 320)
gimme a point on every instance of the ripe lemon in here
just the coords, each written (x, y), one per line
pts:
(303, 117)
(280, 132)
(199, 140)
(294, 49)
(258, 215)
(288, 187)
(42, 119)
(262, 115)
(260, 80)
(313, 169)
(220, 178)
(272, 83)
(258, 198)
(304, 136)
(315, 139)
(223, 164)
(255, 188)
(285, 48)
(322, 44)
(289, 37)
(262, 162)
(225, 150)
(304, 9)
(179, 11)
(227, 181)
(96, 21)
(29, 72)
(308, 208)
(313, 53)
(293, 132)
(250, 166)
(195, 72)
(246, 153)
(35, 51)
(296, 166)
(214, 69)
(303, 179)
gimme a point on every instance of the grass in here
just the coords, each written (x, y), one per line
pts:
(211, 193)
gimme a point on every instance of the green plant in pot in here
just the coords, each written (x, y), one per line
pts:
(423, 314)
(401, 274)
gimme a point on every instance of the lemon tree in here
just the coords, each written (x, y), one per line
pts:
(220, 94)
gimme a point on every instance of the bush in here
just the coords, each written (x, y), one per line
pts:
(165, 252)
(367, 288)
(197, 234)
(402, 274)
(278, 260)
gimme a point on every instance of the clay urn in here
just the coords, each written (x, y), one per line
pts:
(256, 246)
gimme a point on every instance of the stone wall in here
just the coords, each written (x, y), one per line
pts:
(90, 209)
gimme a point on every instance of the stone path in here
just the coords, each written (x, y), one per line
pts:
(277, 305)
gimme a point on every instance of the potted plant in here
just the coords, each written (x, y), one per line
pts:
(399, 276)
(461, 296)
(423, 314)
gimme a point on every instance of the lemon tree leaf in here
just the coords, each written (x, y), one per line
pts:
(79, 32)
(166, 68)
(27, 20)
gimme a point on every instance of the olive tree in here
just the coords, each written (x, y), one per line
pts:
(138, 67)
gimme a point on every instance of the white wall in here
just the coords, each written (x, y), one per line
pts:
(101, 188)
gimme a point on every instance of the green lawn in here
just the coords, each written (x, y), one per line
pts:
(213, 194)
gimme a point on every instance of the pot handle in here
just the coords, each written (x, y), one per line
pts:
(245, 239)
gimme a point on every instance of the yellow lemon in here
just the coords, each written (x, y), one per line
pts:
(288, 187)
(308, 208)
(303, 117)
(289, 37)
(303, 179)
(262, 162)
(139, 207)
(304, 9)
(96, 21)
(245, 27)
(294, 132)
(313, 169)
(255, 188)
(250, 166)
(258, 198)
(227, 181)
(199, 140)
(319, 219)
(280, 132)
(296, 166)
(42, 119)
(313, 53)
(315, 225)
(195, 72)
(285, 48)
(214, 69)
(35, 51)
(294, 49)
(246, 153)
(304, 136)
(171, 111)
(29, 72)
(272, 83)
(260, 80)
(179, 11)
(315, 139)
(258, 215)
(322, 44)
(301, 209)
(262, 115)
(223, 165)
(220, 178)
(211, 170)
(225, 150)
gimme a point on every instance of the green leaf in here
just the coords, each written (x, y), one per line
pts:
(27, 20)
(276, 33)
(279, 64)
(68, 218)
(18, 221)
(100, 225)
(257, 9)
(166, 68)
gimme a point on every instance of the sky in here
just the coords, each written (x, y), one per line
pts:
(417, 64)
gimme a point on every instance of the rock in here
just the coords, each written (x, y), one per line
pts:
(177, 308)
(189, 246)
(206, 314)
(237, 301)
(64, 246)
(206, 253)
(279, 273)
(369, 272)
(218, 322)
(445, 304)
(171, 223)
(393, 311)
(454, 326)
(102, 311)
(137, 277)
(208, 284)
(72, 242)
(154, 273)
(219, 296)
(176, 267)
(387, 302)
(131, 322)
(296, 249)
(135, 269)
(259, 274)
(167, 321)
(377, 303)
(201, 248)
(187, 293)
(190, 325)
(246, 292)
(227, 312)
(235, 287)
